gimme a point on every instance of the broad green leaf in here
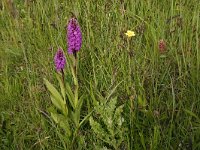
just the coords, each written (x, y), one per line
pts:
(70, 95)
(56, 103)
(66, 127)
(53, 91)
(62, 107)
(51, 109)
(74, 118)
(64, 110)
(76, 114)
(62, 87)
(62, 122)
(56, 98)
(55, 117)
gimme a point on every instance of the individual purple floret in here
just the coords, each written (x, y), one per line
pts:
(74, 36)
(59, 60)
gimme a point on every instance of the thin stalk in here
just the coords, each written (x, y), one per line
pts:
(75, 79)
(63, 76)
(129, 65)
(74, 137)
(129, 92)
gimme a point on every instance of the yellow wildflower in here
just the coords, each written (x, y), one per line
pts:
(130, 33)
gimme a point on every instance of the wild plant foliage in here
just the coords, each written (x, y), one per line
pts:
(107, 122)
(66, 101)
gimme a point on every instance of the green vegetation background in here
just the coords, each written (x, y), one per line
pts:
(167, 83)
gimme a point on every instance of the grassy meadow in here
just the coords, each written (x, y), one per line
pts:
(159, 89)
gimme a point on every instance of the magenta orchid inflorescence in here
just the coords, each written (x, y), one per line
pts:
(74, 36)
(59, 60)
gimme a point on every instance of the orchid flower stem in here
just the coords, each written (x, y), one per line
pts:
(75, 79)
(75, 64)
(63, 76)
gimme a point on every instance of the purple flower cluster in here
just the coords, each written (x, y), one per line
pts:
(74, 36)
(59, 59)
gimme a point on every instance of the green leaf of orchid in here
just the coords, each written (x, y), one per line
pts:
(62, 87)
(56, 98)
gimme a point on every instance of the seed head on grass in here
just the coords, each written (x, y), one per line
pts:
(59, 60)
(74, 36)
(162, 46)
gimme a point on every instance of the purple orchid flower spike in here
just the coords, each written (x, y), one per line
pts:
(74, 36)
(60, 60)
